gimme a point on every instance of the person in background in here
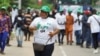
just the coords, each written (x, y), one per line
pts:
(9, 9)
(86, 32)
(78, 27)
(69, 27)
(53, 13)
(94, 23)
(20, 27)
(61, 19)
(4, 29)
(14, 13)
(45, 28)
(28, 20)
(35, 14)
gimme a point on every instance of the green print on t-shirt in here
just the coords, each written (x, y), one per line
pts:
(39, 26)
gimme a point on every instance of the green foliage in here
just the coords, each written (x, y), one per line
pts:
(94, 2)
(34, 4)
(26, 3)
(5, 3)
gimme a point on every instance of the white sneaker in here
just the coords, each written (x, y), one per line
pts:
(95, 51)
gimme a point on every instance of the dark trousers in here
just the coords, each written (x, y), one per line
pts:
(78, 36)
(95, 40)
(86, 36)
(48, 50)
(3, 38)
(61, 36)
(8, 39)
(27, 34)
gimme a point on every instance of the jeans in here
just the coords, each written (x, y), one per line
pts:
(78, 36)
(19, 36)
(48, 50)
(86, 36)
(3, 38)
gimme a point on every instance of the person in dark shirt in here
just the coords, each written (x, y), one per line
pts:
(9, 9)
(19, 21)
(86, 32)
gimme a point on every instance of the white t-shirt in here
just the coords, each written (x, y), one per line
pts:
(94, 24)
(78, 26)
(14, 13)
(61, 19)
(44, 27)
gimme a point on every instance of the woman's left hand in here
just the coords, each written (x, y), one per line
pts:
(51, 34)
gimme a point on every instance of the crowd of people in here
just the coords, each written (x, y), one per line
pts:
(46, 25)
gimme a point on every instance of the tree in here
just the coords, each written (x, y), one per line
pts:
(94, 2)
(4, 3)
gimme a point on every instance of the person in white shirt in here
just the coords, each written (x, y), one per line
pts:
(94, 21)
(78, 27)
(44, 28)
(61, 19)
(14, 13)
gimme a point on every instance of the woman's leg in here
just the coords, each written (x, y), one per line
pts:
(71, 37)
(17, 36)
(21, 38)
(29, 35)
(3, 41)
(95, 40)
(67, 37)
(59, 37)
(25, 33)
(62, 33)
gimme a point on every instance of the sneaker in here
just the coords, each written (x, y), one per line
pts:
(95, 51)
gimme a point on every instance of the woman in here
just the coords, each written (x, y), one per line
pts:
(3, 30)
(61, 18)
(28, 19)
(69, 27)
(44, 29)
(19, 21)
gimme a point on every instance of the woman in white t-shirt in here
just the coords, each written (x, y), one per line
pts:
(94, 21)
(61, 19)
(44, 29)
(78, 27)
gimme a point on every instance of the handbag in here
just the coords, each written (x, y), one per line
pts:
(39, 47)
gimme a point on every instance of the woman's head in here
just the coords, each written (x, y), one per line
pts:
(45, 11)
(3, 9)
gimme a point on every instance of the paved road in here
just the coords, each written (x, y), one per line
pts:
(64, 50)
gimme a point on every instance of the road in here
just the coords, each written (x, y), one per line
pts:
(64, 50)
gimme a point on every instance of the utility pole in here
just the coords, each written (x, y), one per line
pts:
(19, 4)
